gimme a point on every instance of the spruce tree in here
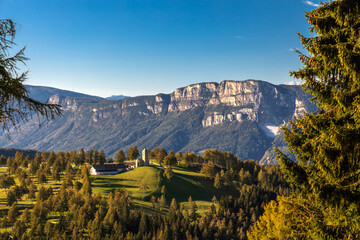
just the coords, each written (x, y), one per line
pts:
(120, 156)
(218, 181)
(168, 173)
(170, 159)
(326, 143)
(132, 153)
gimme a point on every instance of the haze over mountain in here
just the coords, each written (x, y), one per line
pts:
(242, 117)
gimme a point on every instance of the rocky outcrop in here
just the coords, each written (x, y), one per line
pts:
(227, 101)
(251, 100)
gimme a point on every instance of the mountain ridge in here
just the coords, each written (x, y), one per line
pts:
(230, 116)
(43, 93)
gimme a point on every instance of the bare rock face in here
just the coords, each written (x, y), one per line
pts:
(228, 101)
(251, 100)
(192, 96)
(67, 103)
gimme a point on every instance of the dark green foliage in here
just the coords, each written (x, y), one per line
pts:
(168, 173)
(2, 160)
(120, 156)
(6, 181)
(132, 153)
(221, 159)
(218, 183)
(41, 176)
(44, 193)
(32, 191)
(12, 213)
(179, 157)
(11, 197)
(191, 159)
(160, 155)
(170, 159)
(326, 143)
(56, 174)
(208, 169)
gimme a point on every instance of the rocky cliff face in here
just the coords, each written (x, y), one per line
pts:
(250, 100)
(238, 116)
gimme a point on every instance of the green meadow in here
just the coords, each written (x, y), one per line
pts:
(186, 182)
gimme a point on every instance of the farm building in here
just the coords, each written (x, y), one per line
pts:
(110, 169)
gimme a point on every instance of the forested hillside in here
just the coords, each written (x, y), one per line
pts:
(52, 196)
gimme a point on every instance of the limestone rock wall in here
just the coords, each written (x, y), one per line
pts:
(250, 100)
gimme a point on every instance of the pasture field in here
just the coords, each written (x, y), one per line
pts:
(130, 181)
(186, 182)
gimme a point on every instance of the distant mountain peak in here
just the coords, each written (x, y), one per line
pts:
(116, 97)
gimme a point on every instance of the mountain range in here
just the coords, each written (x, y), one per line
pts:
(242, 117)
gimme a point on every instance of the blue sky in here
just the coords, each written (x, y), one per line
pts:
(140, 47)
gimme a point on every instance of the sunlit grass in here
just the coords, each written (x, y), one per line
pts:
(186, 182)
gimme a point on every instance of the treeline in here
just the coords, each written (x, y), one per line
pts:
(10, 152)
(53, 160)
(94, 156)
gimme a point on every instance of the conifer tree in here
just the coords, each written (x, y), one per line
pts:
(162, 201)
(132, 153)
(193, 210)
(173, 205)
(86, 188)
(96, 158)
(218, 181)
(120, 156)
(51, 159)
(168, 173)
(179, 157)
(170, 159)
(32, 191)
(161, 155)
(143, 187)
(143, 225)
(13, 213)
(18, 230)
(25, 216)
(326, 143)
(81, 157)
(163, 189)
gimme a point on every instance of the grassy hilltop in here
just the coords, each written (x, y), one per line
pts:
(186, 182)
